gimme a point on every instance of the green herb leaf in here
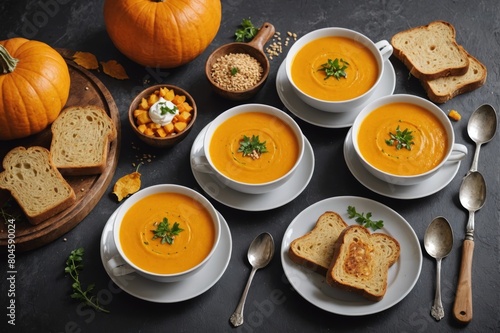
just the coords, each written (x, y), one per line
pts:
(252, 147)
(234, 71)
(73, 267)
(164, 109)
(364, 220)
(402, 139)
(165, 232)
(246, 32)
(335, 68)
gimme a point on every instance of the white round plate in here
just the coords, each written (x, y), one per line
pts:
(328, 119)
(254, 202)
(430, 186)
(140, 287)
(313, 287)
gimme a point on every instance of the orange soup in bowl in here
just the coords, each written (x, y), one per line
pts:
(357, 64)
(402, 139)
(167, 233)
(235, 144)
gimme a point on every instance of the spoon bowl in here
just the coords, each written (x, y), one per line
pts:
(259, 255)
(438, 242)
(254, 49)
(481, 128)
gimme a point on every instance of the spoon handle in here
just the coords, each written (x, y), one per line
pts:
(237, 317)
(462, 309)
(475, 160)
(437, 310)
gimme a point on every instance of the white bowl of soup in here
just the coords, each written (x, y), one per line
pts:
(251, 148)
(404, 139)
(165, 233)
(336, 69)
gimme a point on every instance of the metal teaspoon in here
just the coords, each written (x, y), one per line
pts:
(472, 197)
(260, 253)
(481, 128)
(438, 242)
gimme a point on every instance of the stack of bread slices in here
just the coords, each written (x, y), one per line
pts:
(350, 257)
(33, 175)
(432, 55)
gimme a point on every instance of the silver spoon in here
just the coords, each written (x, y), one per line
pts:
(260, 253)
(438, 242)
(481, 129)
(472, 197)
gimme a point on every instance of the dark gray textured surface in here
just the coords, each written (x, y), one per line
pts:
(42, 291)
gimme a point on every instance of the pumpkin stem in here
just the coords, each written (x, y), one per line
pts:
(7, 62)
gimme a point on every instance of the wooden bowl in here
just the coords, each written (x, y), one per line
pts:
(169, 140)
(255, 50)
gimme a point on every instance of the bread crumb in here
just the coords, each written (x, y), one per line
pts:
(455, 115)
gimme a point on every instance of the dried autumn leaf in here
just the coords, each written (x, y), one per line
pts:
(86, 59)
(114, 69)
(128, 184)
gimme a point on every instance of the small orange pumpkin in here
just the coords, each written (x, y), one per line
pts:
(162, 33)
(34, 87)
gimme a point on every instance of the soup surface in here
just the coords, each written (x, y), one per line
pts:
(189, 247)
(280, 141)
(361, 73)
(430, 142)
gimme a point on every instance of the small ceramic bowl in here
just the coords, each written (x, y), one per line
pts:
(253, 49)
(453, 152)
(381, 50)
(122, 265)
(171, 139)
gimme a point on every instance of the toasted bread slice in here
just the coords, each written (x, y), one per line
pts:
(361, 262)
(431, 51)
(443, 89)
(80, 140)
(314, 250)
(35, 183)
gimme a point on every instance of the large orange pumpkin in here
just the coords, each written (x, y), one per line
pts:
(34, 87)
(162, 33)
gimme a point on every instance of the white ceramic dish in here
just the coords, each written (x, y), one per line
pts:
(254, 202)
(159, 292)
(312, 286)
(428, 187)
(328, 119)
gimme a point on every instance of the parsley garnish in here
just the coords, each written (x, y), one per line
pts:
(74, 264)
(246, 32)
(234, 71)
(164, 109)
(402, 139)
(334, 68)
(166, 233)
(363, 219)
(252, 147)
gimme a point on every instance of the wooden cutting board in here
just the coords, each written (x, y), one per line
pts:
(86, 89)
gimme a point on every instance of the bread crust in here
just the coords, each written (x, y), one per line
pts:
(421, 50)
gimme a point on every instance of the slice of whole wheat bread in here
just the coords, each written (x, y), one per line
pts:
(443, 89)
(80, 140)
(361, 262)
(431, 51)
(35, 183)
(314, 250)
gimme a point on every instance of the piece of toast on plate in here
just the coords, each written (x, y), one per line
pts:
(35, 183)
(314, 250)
(80, 140)
(361, 262)
(431, 51)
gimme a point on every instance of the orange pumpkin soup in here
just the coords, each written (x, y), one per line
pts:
(429, 147)
(280, 141)
(189, 247)
(361, 69)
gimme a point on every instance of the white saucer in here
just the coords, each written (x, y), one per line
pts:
(254, 202)
(430, 186)
(328, 119)
(140, 287)
(403, 275)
